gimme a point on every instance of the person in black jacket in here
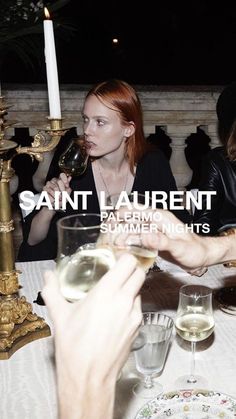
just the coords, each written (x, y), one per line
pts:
(119, 161)
(219, 169)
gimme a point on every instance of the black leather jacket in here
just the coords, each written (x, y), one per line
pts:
(219, 174)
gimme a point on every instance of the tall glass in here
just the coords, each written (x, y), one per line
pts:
(150, 359)
(81, 262)
(194, 322)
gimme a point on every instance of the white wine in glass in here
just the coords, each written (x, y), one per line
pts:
(80, 260)
(146, 257)
(74, 160)
(194, 322)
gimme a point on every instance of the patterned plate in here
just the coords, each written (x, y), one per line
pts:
(189, 404)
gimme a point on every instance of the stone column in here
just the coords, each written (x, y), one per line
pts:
(212, 131)
(180, 168)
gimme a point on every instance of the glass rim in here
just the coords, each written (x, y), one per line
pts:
(160, 314)
(207, 290)
(83, 214)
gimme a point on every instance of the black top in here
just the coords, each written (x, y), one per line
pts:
(219, 174)
(153, 174)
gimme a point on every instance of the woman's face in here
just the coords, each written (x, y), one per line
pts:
(103, 128)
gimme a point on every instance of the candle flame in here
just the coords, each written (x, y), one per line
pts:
(46, 13)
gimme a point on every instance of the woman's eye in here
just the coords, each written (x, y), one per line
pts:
(100, 122)
(85, 119)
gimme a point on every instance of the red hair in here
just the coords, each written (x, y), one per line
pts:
(124, 99)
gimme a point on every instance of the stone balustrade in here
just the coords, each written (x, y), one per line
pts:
(179, 111)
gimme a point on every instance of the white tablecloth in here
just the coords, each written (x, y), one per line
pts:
(27, 380)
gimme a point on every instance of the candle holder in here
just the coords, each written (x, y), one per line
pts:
(18, 324)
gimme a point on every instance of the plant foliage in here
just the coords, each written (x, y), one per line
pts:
(21, 27)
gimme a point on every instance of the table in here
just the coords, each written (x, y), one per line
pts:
(27, 380)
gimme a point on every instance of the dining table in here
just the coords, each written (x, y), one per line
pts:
(28, 379)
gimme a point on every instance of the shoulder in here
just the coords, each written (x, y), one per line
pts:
(216, 154)
(217, 159)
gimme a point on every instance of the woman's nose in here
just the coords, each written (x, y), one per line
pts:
(88, 128)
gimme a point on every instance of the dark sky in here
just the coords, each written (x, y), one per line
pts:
(179, 43)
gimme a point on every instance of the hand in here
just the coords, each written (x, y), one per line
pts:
(94, 335)
(172, 239)
(177, 244)
(58, 184)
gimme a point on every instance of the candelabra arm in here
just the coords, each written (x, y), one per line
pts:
(41, 144)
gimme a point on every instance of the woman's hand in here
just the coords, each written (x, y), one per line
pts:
(61, 184)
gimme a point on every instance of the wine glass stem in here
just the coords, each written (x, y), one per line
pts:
(148, 381)
(192, 378)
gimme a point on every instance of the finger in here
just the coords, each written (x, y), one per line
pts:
(133, 285)
(53, 182)
(61, 185)
(51, 186)
(65, 179)
(51, 193)
(137, 315)
(52, 295)
(197, 272)
(121, 272)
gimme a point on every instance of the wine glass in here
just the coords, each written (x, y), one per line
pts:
(194, 322)
(150, 359)
(74, 160)
(128, 236)
(80, 260)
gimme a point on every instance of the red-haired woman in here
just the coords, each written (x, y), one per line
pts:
(120, 160)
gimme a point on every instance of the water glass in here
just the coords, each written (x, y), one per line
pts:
(150, 359)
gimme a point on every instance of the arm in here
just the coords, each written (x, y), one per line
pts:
(90, 351)
(40, 174)
(187, 249)
(176, 243)
(41, 222)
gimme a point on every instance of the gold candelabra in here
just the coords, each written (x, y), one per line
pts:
(18, 324)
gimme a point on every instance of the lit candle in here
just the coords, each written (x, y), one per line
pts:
(51, 67)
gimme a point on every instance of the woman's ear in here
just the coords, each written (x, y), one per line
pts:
(130, 129)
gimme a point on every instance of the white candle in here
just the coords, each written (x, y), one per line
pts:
(51, 67)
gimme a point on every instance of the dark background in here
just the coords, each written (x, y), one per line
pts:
(160, 42)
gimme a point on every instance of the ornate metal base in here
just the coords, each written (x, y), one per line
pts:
(23, 340)
(18, 325)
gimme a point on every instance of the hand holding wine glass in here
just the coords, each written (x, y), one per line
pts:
(60, 184)
(128, 235)
(194, 322)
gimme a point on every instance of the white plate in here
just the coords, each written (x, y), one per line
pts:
(189, 404)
